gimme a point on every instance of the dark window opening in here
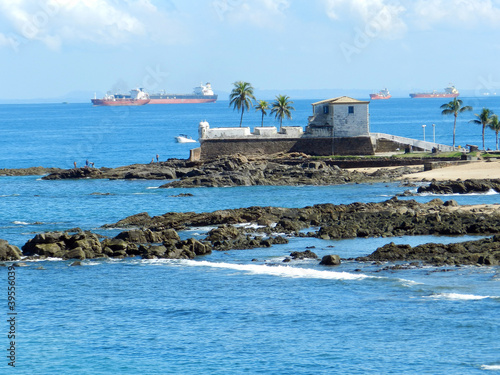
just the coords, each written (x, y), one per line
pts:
(351, 109)
(326, 109)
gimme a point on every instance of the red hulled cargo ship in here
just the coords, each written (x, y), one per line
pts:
(382, 94)
(136, 97)
(201, 94)
(449, 92)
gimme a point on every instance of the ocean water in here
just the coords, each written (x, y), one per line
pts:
(224, 313)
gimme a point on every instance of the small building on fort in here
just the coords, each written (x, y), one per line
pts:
(337, 126)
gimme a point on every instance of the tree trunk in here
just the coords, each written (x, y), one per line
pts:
(242, 111)
(484, 126)
(454, 128)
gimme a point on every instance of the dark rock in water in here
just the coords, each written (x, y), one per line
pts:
(32, 171)
(182, 195)
(461, 187)
(63, 245)
(308, 254)
(480, 252)
(75, 173)
(330, 260)
(134, 220)
(75, 264)
(9, 252)
(286, 260)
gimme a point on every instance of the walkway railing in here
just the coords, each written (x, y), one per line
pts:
(413, 142)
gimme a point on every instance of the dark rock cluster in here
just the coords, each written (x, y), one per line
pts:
(461, 187)
(236, 171)
(385, 219)
(246, 228)
(480, 252)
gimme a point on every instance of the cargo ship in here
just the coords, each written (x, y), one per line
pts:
(449, 92)
(382, 94)
(200, 94)
(136, 97)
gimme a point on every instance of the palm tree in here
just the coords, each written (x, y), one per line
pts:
(282, 108)
(241, 97)
(263, 106)
(484, 118)
(495, 126)
(454, 108)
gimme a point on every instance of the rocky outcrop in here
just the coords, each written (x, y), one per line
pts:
(32, 171)
(9, 252)
(385, 219)
(460, 187)
(84, 245)
(253, 227)
(231, 238)
(167, 170)
(480, 252)
(237, 170)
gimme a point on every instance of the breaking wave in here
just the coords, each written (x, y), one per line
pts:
(281, 271)
(460, 297)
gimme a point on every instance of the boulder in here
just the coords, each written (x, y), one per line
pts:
(76, 253)
(330, 260)
(9, 252)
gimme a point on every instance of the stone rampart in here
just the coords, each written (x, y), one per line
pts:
(211, 148)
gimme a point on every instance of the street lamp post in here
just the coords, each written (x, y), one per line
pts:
(423, 127)
(434, 132)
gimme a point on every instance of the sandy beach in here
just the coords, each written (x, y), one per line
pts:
(473, 170)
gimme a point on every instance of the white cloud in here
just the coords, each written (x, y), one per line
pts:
(259, 13)
(382, 15)
(462, 13)
(57, 22)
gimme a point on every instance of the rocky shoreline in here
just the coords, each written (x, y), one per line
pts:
(246, 228)
(238, 171)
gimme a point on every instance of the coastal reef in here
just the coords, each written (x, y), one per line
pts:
(245, 228)
(480, 252)
(238, 171)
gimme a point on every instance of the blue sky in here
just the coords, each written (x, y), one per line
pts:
(53, 47)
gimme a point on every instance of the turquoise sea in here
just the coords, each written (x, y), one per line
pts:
(224, 313)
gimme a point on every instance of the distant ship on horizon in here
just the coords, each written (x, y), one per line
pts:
(136, 97)
(382, 94)
(200, 94)
(449, 92)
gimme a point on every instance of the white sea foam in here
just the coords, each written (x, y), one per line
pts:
(281, 271)
(489, 192)
(249, 225)
(152, 187)
(18, 222)
(491, 367)
(459, 297)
